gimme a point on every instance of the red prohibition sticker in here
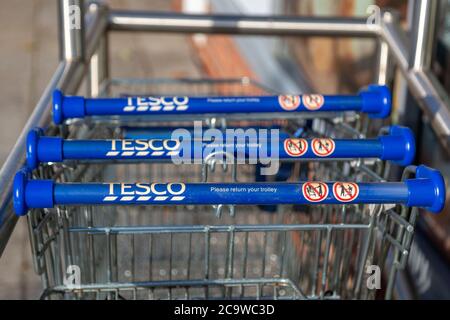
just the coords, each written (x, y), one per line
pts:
(289, 102)
(313, 101)
(345, 191)
(323, 147)
(295, 147)
(315, 191)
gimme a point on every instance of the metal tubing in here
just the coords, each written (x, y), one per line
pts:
(98, 68)
(426, 89)
(96, 23)
(423, 34)
(429, 94)
(233, 24)
(71, 22)
(384, 71)
(98, 64)
(395, 38)
(16, 158)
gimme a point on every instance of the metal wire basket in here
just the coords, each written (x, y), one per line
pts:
(199, 252)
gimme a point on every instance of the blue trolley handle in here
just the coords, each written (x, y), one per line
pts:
(397, 146)
(375, 101)
(426, 190)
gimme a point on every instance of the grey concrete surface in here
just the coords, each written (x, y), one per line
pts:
(28, 57)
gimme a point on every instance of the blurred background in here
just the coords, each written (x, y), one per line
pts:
(29, 55)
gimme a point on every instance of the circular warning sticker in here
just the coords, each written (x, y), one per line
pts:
(295, 147)
(289, 102)
(315, 191)
(323, 147)
(345, 191)
(313, 101)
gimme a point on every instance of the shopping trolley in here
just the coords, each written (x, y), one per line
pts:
(157, 238)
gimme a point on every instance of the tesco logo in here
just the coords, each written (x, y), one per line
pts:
(143, 145)
(145, 192)
(142, 104)
(144, 148)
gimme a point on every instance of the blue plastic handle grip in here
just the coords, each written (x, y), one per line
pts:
(398, 146)
(375, 101)
(426, 190)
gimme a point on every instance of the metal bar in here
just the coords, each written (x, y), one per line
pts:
(423, 34)
(96, 22)
(396, 39)
(383, 76)
(429, 94)
(98, 68)
(385, 72)
(184, 283)
(71, 31)
(238, 24)
(433, 101)
(16, 158)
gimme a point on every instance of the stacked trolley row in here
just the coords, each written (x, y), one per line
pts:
(144, 195)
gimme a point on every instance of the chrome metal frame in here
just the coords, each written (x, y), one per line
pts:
(84, 52)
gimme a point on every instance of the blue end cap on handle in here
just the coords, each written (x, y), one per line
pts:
(399, 146)
(408, 146)
(19, 186)
(376, 101)
(427, 190)
(67, 107)
(32, 147)
(58, 98)
(41, 191)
